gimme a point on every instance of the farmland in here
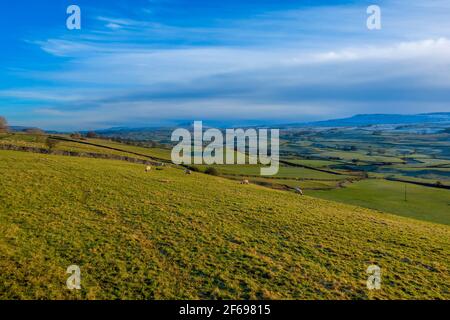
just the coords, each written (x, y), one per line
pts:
(157, 236)
(167, 235)
(362, 168)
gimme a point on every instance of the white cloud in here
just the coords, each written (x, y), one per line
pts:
(428, 48)
(113, 26)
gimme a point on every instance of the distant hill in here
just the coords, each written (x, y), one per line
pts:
(24, 128)
(380, 119)
(19, 128)
(116, 130)
(440, 118)
(185, 124)
(359, 120)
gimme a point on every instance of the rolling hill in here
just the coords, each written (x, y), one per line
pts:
(359, 120)
(168, 235)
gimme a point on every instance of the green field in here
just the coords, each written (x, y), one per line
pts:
(312, 163)
(425, 203)
(159, 153)
(291, 183)
(361, 156)
(167, 235)
(284, 172)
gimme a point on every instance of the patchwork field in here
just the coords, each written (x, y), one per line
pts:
(168, 235)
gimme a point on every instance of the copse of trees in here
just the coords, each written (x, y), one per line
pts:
(3, 124)
(91, 134)
(75, 135)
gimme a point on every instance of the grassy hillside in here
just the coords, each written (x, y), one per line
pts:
(87, 145)
(151, 152)
(166, 235)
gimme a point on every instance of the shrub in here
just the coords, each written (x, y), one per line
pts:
(75, 135)
(51, 143)
(212, 171)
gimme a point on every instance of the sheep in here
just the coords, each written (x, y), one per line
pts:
(298, 190)
(148, 168)
(187, 171)
(245, 181)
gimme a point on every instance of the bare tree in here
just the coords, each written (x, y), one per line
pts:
(91, 134)
(3, 124)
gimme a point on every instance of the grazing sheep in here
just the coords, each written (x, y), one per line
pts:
(298, 190)
(148, 168)
(245, 181)
(187, 171)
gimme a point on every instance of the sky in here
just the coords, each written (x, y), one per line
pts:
(142, 63)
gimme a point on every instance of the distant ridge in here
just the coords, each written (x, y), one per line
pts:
(359, 120)
(379, 119)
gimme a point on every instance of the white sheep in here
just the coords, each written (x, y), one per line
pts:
(148, 168)
(245, 181)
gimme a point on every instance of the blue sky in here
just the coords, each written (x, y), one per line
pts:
(157, 62)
